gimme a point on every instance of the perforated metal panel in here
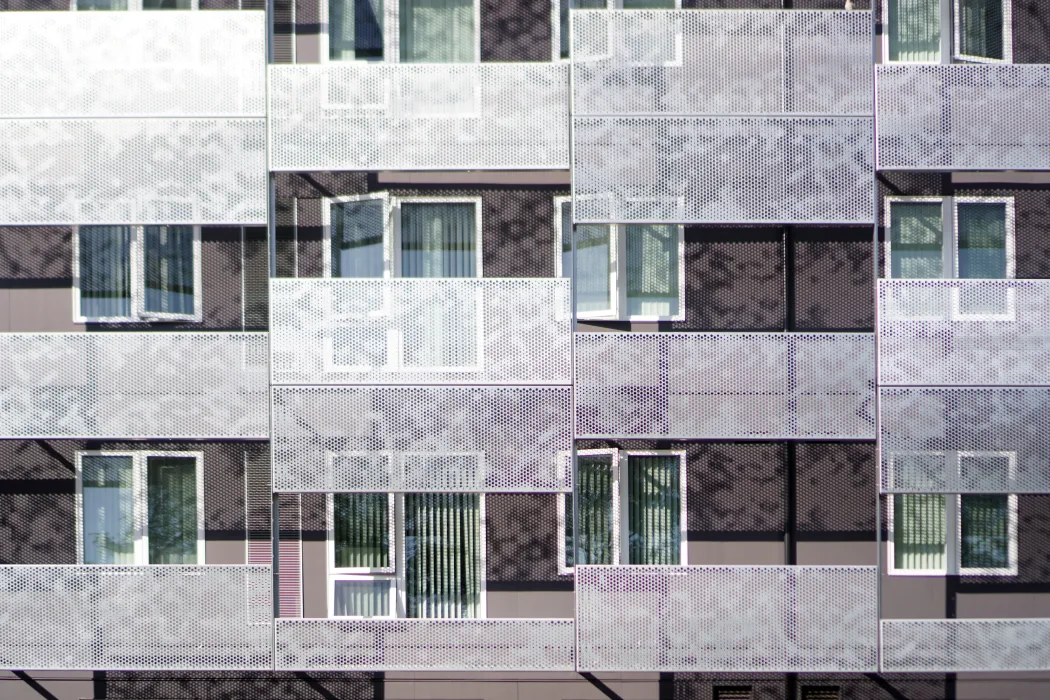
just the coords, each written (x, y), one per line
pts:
(133, 385)
(954, 440)
(425, 645)
(965, 645)
(721, 62)
(421, 438)
(964, 332)
(963, 117)
(108, 64)
(726, 618)
(723, 170)
(421, 331)
(361, 116)
(725, 385)
(135, 618)
(132, 171)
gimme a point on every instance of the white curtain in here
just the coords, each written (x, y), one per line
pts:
(362, 598)
(105, 271)
(982, 240)
(981, 28)
(355, 29)
(916, 240)
(171, 493)
(109, 510)
(168, 254)
(438, 240)
(357, 239)
(595, 494)
(437, 31)
(914, 30)
(593, 261)
(653, 510)
(362, 530)
(919, 532)
(652, 270)
(102, 4)
(442, 555)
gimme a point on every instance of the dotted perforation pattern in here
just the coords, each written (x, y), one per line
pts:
(723, 170)
(964, 332)
(963, 117)
(406, 331)
(421, 439)
(368, 116)
(726, 618)
(964, 440)
(726, 385)
(722, 62)
(136, 618)
(132, 171)
(425, 645)
(132, 64)
(911, 646)
(133, 385)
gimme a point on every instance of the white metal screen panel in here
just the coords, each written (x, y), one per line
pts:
(911, 646)
(416, 116)
(421, 438)
(135, 618)
(963, 117)
(769, 386)
(421, 331)
(722, 62)
(425, 645)
(726, 618)
(133, 385)
(964, 332)
(658, 169)
(126, 64)
(955, 440)
(132, 171)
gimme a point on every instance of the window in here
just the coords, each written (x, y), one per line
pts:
(820, 692)
(982, 30)
(644, 284)
(138, 508)
(411, 555)
(732, 692)
(134, 5)
(631, 509)
(915, 31)
(560, 16)
(424, 31)
(136, 273)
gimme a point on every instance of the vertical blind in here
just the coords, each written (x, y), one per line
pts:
(442, 555)
(652, 270)
(919, 532)
(357, 239)
(171, 488)
(914, 30)
(653, 510)
(102, 4)
(105, 271)
(437, 31)
(594, 475)
(593, 262)
(355, 29)
(361, 597)
(982, 240)
(985, 531)
(109, 509)
(362, 530)
(438, 240)
(981, 28)
(916, 240)
(168, 273)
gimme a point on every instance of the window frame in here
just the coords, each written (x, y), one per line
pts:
(137, 282)
(1008, 35)
(951, 39)
(614, 453)
(140, 500)
(136, 6)
(556, 56)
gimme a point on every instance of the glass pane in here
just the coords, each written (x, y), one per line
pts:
(595, 494)
(916, 240)
(109, 510)
(652, 270)
(166, 5)
(985, 531)
(981, 28)
(357, 239)
(355, 29)
(914, 30)
(362, 530)
(102, 4)
(437, 31)
(105, 271)
(438, 240)
(364, 598)
(982, 240)
(648, 4)
(919, 531)
(171, 488)
(593, 261)
(442, 554)
(653, 510)
(169, 269)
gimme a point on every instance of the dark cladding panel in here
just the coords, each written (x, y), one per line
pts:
(836, 488)
(521, 545)
(736, 488)
(516, 30)
(833, 279)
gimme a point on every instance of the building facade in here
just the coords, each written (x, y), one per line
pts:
(497, 348)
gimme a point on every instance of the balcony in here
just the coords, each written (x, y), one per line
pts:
(487, 116)
(725, 386)
(959, 646)
(421, 331)
(171, 618)
(727, 618)
(963, 117)
(153, 385)
(425, 645)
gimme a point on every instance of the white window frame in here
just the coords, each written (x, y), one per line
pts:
(137, 268)
(386, 573)
(618, 271)
(136, 6)
(140, 496)
(621, 518)
(952, 35)
(556, 56)
(1008, 36)
(396, 576)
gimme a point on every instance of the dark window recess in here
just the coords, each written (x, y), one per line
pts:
(733, 692)
(821, 692)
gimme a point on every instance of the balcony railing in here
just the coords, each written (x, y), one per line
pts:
(421, 331)
(487, 116)
(425, 645)
(135, 618)
(133, 385)
(726, 386)
(963, 117)
(959, 646)
(726, 618)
